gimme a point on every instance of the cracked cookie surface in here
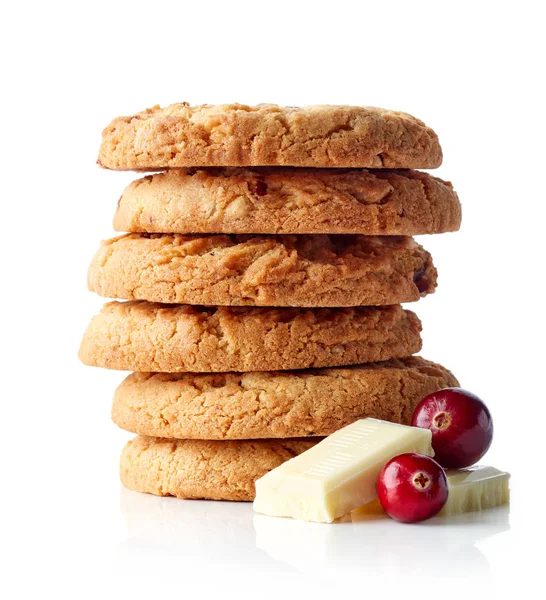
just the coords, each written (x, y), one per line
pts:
(200, 469)
(143, 336)
(278, 404)
(235, 135)
(239, 270)
(293, 201)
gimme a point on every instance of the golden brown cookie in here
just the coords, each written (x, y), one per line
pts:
(277, 404)
(234, 135)
(273, 201)
(203, 469)
(141, 336)
(306, 270)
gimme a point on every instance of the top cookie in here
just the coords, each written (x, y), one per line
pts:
(236, 135)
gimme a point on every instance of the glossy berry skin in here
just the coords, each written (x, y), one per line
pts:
(461, 426)
(412, 487)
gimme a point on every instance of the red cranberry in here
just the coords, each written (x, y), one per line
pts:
(421, 280)
(261, 187)
(461, 425)
(412, 487)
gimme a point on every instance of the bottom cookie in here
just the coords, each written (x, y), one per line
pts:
(200, 469)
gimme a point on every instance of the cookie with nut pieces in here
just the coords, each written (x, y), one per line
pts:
(203, 469)
(238, 270)
(274, 404)
(148, 337)
(232, 135)
(297, 201)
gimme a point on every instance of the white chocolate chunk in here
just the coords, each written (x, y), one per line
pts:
(474, 489)
(338, 474)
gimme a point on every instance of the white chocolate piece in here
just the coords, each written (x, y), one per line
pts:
(338, 474)
(474, 489)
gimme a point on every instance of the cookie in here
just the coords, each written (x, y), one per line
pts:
(235, 135)
(141, 336)
(202, 469)
(276, 404)
(223, 270)
(273, 201)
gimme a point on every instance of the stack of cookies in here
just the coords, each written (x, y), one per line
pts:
(262, 276)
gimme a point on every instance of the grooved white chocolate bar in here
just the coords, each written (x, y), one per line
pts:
(338, 474)
(476, 488)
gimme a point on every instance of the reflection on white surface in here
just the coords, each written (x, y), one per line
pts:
(216, 532)
(231, 533)
(441, 546)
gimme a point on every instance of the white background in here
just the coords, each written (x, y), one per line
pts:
(474, 71)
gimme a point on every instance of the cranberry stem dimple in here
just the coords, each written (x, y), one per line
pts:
(442, 420)
(421, 480)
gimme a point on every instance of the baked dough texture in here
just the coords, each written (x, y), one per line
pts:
(202, 469)
(239, 270)
(281, 404)
(142, 336)
(233, 135)
(291, 201)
